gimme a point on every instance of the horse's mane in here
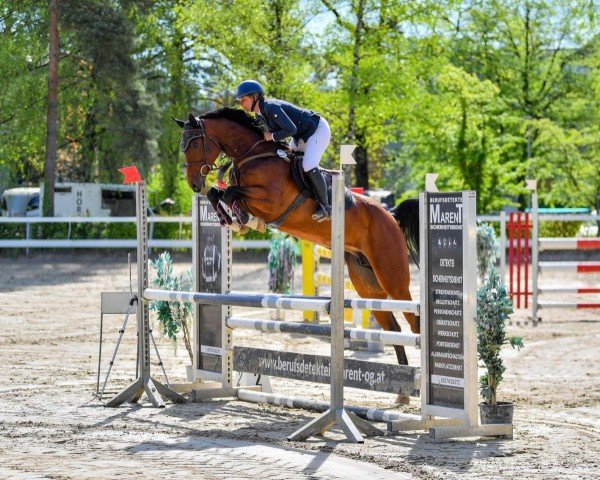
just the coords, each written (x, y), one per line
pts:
(236, 115)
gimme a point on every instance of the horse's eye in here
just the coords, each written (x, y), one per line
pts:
(195, 143)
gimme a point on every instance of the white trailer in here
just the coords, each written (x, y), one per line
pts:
(73, 200)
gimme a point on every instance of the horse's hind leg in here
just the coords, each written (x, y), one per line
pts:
(388, 255)
(367, 286)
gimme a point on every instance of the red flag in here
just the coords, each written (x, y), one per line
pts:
(131, 174)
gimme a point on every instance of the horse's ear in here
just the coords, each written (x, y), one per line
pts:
(193, 121)
(181, 123)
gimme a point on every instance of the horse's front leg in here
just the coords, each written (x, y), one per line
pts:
(215, 196)
(233, 197)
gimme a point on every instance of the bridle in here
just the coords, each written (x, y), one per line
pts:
(192, 133)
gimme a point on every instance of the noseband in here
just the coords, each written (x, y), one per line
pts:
(190, 134)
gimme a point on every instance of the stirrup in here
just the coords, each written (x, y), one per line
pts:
(322, 214)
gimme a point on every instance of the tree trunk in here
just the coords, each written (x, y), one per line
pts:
(361, 169)
(180, 98)
(51, 117)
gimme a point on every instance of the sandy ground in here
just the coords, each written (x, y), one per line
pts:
(51, 426)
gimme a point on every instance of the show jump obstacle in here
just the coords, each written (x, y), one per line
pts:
(520, 256)
(447, 379)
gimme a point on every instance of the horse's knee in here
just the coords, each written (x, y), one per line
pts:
(229, 195)
(213, 196)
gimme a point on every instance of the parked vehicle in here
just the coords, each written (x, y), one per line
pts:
(20, 202)
(72, 200)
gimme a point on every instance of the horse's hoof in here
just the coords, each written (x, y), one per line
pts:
(402, 399)
(242, 216)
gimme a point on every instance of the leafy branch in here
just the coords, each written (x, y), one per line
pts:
(173, 317)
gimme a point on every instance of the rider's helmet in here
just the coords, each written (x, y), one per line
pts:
(248, 87)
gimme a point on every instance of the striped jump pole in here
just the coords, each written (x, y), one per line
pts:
(568, 305)
(372, 414)
(571, 267)
(569, 244)
(378, 336)
(281, 300)
(574, 290)
(240, 300)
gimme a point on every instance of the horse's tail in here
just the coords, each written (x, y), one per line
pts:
(407, 216)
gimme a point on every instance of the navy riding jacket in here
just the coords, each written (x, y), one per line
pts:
(284, 119)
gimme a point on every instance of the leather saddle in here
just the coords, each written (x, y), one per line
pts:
(305, 186)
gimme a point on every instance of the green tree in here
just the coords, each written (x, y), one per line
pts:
(539, 55)
(109, 119)
(24, 78)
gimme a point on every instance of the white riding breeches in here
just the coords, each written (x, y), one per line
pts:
(315, 145)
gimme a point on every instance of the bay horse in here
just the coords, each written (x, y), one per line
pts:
(376, 246)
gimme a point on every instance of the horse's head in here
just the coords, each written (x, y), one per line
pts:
(228, 130)
(200, 150)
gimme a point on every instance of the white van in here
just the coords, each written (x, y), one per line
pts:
(20, 202)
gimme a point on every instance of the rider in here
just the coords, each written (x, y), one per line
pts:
(309, 131)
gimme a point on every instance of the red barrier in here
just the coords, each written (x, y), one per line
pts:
(588, 290)
(588, 244)
(519, 257)
(587, 268)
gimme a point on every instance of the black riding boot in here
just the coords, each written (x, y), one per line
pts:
(323, 211)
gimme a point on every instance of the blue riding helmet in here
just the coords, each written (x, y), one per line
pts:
(248, 87)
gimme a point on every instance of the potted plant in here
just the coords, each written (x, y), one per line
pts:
(488, 250)
(283, 252)
(173, 317)
(493, 308)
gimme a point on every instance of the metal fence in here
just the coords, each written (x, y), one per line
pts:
(68, 242)
(182, 243)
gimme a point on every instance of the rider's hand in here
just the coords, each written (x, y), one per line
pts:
(268, 136)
